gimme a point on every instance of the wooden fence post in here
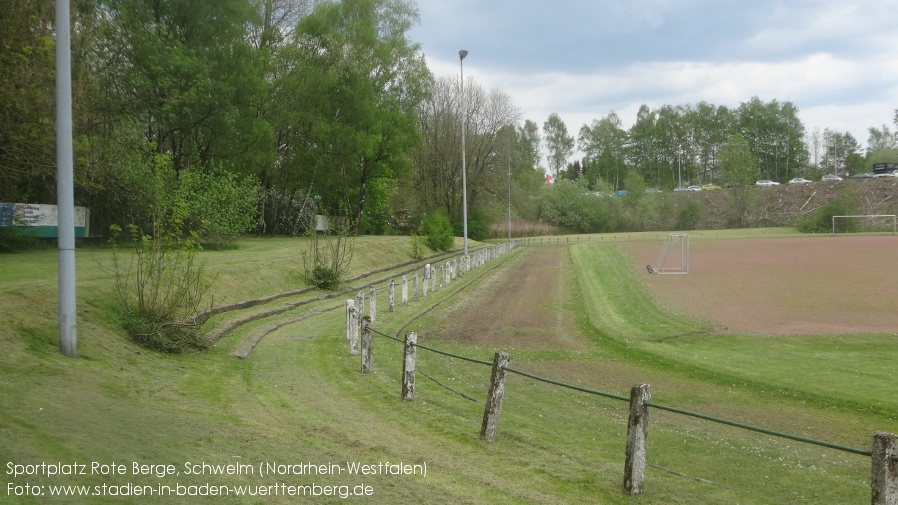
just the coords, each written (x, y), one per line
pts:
(408, 366)
(392, 296)
(353, 332)
(360, 303)
(404, 290)
(372, 303)
(637, 436)
(366, 344)
(494, 398)
(350, 308)
(415, 291)
(884, 473)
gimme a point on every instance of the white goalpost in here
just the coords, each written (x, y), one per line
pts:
(864, 223)
(674, 257)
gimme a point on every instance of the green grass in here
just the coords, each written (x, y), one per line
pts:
(299, 397)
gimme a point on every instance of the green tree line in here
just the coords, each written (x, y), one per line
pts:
(292, 108)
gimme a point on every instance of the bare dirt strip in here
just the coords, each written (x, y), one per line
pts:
(816, 285)
(523, 305)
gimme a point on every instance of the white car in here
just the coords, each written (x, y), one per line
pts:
(831, 177)
(799, 180)
(694, 188)
(886, 174)
(766, 182)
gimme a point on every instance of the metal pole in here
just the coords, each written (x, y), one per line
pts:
(464, 177)
(65, 193)
(509, 187)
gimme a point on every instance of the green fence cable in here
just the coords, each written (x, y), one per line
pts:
(697, 415)
(444, 353)
(388, 336)
(569, 386)
(760, 430)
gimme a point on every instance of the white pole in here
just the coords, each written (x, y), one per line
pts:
(65, 193)
(464, 177)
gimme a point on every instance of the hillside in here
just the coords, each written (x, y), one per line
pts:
(785, 204)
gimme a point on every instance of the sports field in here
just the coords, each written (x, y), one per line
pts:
(819, 285)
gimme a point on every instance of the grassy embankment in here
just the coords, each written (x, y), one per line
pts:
(300, 398)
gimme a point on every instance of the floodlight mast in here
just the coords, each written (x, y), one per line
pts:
(464, 177)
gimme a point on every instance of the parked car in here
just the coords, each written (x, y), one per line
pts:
(831, 177)
(680, 188)
(893, 173)
(862, 176)
(766, 182)
(652, 190)
(799, 180)
(694, 188)
(710, 187)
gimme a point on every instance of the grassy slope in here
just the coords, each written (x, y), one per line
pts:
(299, 397)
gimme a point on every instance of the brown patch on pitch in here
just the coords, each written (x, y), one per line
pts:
(522, 305)
(818, 285)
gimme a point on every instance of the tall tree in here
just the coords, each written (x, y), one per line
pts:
(740, 168)
(365, 123)
(604, 142)
(558, 142)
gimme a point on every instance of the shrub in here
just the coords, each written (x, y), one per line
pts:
(161, 287)
(327, 261)
(822, 220)
(219, 207)
(438, 231)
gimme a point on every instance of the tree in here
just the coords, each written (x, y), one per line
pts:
(362, 117)
(492, 143)
(881, 139)
(604, 142)
(558, 142)
(738, 166)
(838, 148)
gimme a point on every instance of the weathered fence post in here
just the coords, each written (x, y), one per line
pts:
(494, 398)
(392, 296)
(404, 290)
(366, 344)
(415, 290)
(360, 303)
(350, 308)
(353, 332)
(637, 436)
(372, 303)
(884, 474)
(408, 366)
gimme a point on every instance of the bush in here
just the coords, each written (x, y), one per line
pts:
(327, 261)
(438, 231)
(219, 207)
(822, 221)
(162, 286)
(689, 215)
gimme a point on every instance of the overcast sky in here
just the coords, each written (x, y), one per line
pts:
(837, 61)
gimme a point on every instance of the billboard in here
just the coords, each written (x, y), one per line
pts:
(40, 220)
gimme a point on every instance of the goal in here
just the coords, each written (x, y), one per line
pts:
(674, 257)
(864, 223)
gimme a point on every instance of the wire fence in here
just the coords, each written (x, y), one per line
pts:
(884, 452)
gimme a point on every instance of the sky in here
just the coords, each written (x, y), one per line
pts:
(836, 61)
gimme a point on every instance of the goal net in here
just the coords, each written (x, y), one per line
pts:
(867, 223)
(674, 257)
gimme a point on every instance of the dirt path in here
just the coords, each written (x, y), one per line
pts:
(523, 305)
